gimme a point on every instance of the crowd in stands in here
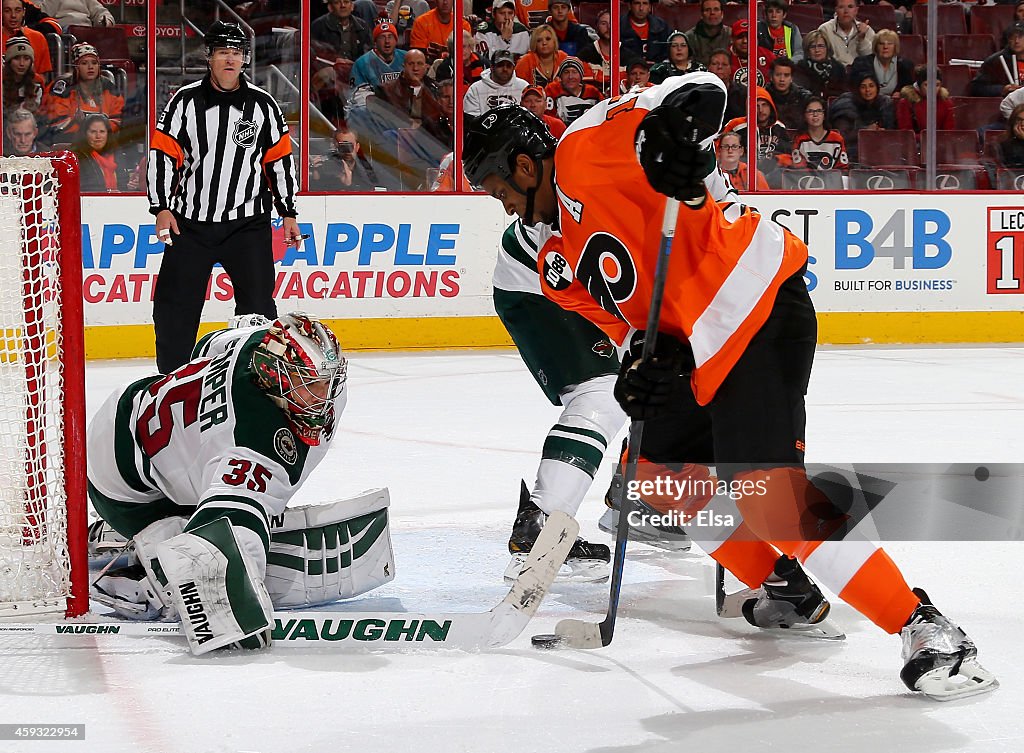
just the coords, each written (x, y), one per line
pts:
(828, 72)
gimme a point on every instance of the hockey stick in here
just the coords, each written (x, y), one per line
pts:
(385, 631)
(580, 633)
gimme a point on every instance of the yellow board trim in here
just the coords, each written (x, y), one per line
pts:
(431, 333)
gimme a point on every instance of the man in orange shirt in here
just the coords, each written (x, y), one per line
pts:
(13, 26)
(430, 31)
(735, 347)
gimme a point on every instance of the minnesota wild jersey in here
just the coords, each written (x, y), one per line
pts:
(204, 434)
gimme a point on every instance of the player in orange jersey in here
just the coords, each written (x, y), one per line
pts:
(735, 344)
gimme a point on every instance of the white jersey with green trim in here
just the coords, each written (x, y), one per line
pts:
(516, 267)
(204, 433)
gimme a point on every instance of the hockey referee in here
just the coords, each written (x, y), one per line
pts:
(219, 157)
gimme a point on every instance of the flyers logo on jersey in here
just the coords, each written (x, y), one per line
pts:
(245, 133)
(557, 273)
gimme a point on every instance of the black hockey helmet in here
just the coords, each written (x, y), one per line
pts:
(493, 140)
(223, 34)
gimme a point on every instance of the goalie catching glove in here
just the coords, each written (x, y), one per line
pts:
(669, 141)
(644, 387)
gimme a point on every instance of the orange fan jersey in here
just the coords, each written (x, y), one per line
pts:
(727, 261)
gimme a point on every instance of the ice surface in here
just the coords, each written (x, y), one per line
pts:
(451, 434)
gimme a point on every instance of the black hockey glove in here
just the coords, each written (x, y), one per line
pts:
(668, 141)
(644, 387)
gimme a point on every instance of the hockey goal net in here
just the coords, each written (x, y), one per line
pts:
(43, 561)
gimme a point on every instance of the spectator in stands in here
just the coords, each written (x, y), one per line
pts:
(22, 86)
(912, 106)
(638, 73)
(14, 26)
(598, 55)
(67, 102)
(532, 13)
(569, 97)
(710, 33)
(861, 109)
(442, 129)
(77, 13)
(643, 35)
(535, 100)
(498, 85)
(445, 181)
(679, 60)
(720, 63)
(572, 37)
(98, 167)
(443, 69)
(730, 154)
(1011, 100)
(819, 72)
(340, 36)
(777, 34)
(774, 150)
(430, 31)
(740, 41)
(345, 169)
(817, 147)
(503, 32)
(1011, 148)
(1002, 72)
(410, 95)
(539, 66)
(789, 98)
(21, 134)
(847, 37)
(384, 62)
(893, 72)
(402, 14)
(36, 19)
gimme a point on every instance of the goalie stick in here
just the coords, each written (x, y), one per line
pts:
(384, 631)
(572, 633)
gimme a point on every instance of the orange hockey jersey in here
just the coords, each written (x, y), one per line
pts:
(727, 261)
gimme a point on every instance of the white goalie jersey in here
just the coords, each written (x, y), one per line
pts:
(203, 434)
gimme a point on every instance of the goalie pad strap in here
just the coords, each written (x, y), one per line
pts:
(216, 586)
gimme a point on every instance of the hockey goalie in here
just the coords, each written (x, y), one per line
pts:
(195, 469)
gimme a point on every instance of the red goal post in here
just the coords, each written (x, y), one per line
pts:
(43, 558)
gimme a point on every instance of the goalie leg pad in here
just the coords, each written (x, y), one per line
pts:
(216, 586)
(323, 553)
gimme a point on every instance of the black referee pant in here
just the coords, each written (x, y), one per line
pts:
(243, 247)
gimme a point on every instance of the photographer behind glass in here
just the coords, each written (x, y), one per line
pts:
(345, 168)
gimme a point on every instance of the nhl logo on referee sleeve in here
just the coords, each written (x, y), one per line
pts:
(284, 445)
(245, 133)
(557, 274)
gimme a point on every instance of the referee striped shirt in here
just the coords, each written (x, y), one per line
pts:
(218, 156)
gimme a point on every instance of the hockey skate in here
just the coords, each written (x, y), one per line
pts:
(669, 538)
(586, 563)
(939, 660)
(787, 602)
(103, 542)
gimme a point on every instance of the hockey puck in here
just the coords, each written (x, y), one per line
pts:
(546, 640)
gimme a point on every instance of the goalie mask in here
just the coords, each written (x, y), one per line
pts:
(299, 364)
(230, 36)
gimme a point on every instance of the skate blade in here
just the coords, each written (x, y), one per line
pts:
(826, 630)
(670, 542)
(571, 571)
(971, 679)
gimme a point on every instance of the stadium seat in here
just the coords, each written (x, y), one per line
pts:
(886, 148)
(733, 13)
(897, 179)
(992, 138)
(1010, 179)
(952, 147)
(952, 19)
(912, 48)
(956, 79)
(878, 17)
(111, 43)
(812, 180)
(975, 112)
(991, 20)
(588, 12)
(807, 17)
(965, 47)
(681, 16)
(953, 178)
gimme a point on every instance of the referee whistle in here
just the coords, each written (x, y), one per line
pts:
(295, 241)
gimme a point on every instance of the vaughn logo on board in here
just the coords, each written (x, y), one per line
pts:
(87, 629)
(361, 630)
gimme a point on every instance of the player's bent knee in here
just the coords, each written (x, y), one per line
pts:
(591, 405)
(216, 586)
